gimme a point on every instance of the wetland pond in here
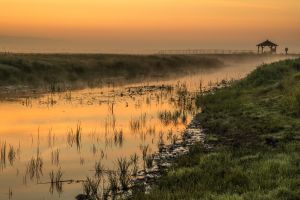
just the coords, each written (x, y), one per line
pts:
(65, 136)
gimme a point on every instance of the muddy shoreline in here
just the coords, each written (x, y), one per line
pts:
(168, 154)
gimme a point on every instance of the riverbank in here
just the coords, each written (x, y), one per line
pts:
(25, 75)
(254, 130)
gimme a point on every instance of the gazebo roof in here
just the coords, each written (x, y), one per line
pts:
(267, 43)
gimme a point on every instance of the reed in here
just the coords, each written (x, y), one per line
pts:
(78, 135)
(113, 181)
(134, 161)
(3, 155)
(149, 161)
(91, 188)
(124, 172)
(34, 168)
(11, 154)
(55, 157)
(75, 136)
(99, 169)
(144, 149)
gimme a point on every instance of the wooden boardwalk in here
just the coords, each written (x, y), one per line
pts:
(205, 51)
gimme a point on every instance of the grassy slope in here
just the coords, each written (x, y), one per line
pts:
(254, 126)
(93, 70)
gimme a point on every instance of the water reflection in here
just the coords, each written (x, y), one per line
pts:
(106, 134)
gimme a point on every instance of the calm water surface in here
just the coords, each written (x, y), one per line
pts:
(69, 132)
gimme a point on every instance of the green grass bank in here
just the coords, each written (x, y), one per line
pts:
(254, 129)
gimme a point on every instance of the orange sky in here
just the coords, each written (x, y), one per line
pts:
(146, 25)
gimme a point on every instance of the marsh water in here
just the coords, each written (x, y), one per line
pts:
(68, 133)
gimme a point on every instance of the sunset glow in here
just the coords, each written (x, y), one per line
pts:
(115, 25)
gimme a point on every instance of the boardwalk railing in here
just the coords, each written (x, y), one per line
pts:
(204, 51)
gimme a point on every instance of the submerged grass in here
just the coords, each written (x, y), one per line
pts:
(254, 128)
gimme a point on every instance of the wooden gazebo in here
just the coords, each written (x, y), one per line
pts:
(267, 43)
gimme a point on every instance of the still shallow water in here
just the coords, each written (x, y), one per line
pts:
(38, 136)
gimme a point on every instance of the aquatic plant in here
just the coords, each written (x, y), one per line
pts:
(151, 130)
(55, 157)
(174, 139)
(166, 117)
(149, 161)
(51, 138)
(3, 155)
(94, 149)
(56, 181)
(91, 188)
(123, 172)
(34, 168)
(11, 154)
(161, 142)
(99, 169)
(113, 181)
(135, 125)
(144, 149)
(118, 138)
(78, 135)
(134, 161)
(10, 193)
(75, 136)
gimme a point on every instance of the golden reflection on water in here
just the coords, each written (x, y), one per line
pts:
(114, 123)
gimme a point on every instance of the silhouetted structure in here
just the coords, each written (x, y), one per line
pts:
(286, 50)
(267, 43)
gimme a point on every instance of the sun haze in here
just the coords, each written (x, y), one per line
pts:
(144, 26)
